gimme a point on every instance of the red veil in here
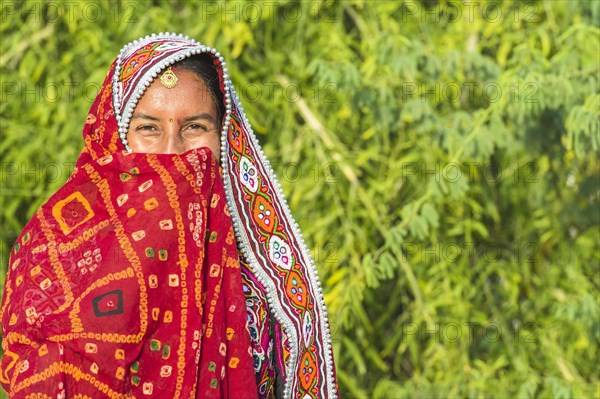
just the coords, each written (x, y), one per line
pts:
(127, 282)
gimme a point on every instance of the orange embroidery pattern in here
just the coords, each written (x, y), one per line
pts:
(105, 301)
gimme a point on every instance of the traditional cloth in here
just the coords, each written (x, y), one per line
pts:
(127, 283)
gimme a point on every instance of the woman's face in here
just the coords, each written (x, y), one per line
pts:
(172, 121)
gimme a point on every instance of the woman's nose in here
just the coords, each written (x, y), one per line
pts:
(173, 143)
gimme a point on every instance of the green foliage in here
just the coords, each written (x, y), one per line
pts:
(441, 159)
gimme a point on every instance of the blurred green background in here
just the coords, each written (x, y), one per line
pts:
(441, 159)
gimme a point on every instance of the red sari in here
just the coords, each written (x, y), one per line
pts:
(127, 283)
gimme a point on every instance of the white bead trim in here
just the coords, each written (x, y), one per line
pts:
(230, 95)
(312, 273)
(124, 117)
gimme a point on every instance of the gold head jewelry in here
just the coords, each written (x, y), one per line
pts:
(169, 79)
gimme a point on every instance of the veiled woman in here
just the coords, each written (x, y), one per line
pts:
(168, 265)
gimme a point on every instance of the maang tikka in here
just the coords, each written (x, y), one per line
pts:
(169, 79)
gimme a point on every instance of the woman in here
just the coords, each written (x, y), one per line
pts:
(153, 272)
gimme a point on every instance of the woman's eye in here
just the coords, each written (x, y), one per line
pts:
(146, 128)
(197, 126)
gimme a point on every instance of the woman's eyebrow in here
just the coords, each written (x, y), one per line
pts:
(200, 116)
(139, 115)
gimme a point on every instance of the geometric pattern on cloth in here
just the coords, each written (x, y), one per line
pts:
(110, 293)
